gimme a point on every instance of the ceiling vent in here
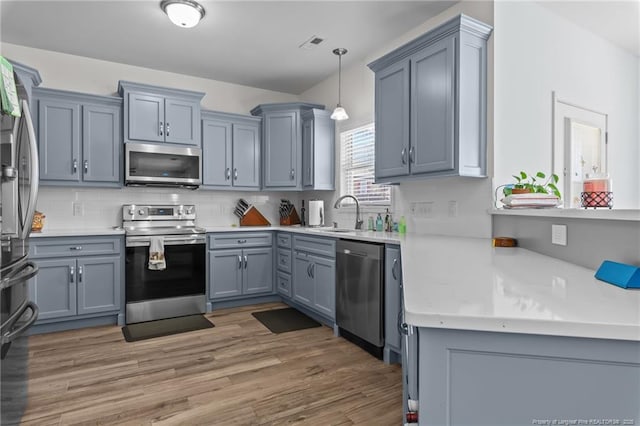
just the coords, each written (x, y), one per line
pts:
(311, 43)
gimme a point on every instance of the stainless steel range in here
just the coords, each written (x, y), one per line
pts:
(179, 288)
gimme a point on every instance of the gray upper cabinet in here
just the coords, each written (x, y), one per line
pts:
(431, 112)
(79, 138)
(230, 151)
(282, 146)
(160, 115)
(318, 159)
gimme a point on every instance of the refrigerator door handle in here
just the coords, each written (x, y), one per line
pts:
(13, 334)
(35, 172)
(19, 275)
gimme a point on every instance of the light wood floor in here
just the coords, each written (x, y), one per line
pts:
(235, 373)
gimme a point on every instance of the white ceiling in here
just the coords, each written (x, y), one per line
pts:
(616, 21)
(253, 43)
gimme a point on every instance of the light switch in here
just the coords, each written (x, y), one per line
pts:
(559, 235)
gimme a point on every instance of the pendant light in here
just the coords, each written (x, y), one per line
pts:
(183, 13)
(339, 113)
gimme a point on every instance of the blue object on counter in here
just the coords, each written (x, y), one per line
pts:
(620, 274)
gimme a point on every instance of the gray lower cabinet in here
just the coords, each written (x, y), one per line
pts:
(318, 150)
(73, 282)
(284, 264)
(431, 113)
(230, 151)
(246, 270)
(393, 301)
(160, 114)
(79, 138)
(314, 274)
(282, 144)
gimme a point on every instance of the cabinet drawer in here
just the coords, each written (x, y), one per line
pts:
(321, 246)
(284, 260)
(283, 283)
(61, 247)
(240, 240)
(284, 240)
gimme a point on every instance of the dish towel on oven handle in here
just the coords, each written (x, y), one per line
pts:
(156, 254)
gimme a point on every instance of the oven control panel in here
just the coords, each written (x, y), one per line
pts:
(158, 212)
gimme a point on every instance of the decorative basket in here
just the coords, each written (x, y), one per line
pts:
(596, 199)
(38, 221)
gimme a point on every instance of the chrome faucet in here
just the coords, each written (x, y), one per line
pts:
(358, 218)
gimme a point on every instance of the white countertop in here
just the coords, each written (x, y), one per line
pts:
(76, 232)
(464, 283)
(601, 214)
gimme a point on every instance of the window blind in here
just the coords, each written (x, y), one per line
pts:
(357, 153)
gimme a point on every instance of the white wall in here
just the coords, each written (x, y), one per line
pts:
(473, 195)
(82, 74)
(538, 52)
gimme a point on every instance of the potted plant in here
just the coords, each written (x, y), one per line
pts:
(538, 183)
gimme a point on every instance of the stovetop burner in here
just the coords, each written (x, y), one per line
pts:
(160, 220)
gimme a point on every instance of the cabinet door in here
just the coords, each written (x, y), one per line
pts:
(281, 149)
(98, 284)
(392, 121)
(146, 117)
(101, 143)
(258, 270)
(302, 282)
(392, 292)
(225, 273)
(59, 140)
(246, 156)
(307, 153)
(323, 275)
(432, 108)
(216, 153)
(182, 122)
(54, 288)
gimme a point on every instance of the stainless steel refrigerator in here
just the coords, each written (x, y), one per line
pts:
(19, 191)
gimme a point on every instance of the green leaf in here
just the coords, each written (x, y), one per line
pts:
(555, 178)
(517, 178)
(523, 175)
(541, 175)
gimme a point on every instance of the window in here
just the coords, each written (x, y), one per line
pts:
(357, 153)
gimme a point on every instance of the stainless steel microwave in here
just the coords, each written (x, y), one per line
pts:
(167, 166)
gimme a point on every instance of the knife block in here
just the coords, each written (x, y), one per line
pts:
(253, 217)
(292, 219)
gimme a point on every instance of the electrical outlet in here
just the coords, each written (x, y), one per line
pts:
(453, 208)
(559, 235)
(78, 208)
(423, 209)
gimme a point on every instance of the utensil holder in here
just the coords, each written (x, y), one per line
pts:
(253, 217)
(292, 219)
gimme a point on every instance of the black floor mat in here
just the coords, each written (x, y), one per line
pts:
(283, 320)
(164, 327)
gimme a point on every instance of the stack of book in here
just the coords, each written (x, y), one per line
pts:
(529, 201)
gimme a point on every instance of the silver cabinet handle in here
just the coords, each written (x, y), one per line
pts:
(293, 174)
(79, 274)
(246, 261)
(227, 175)
(412, 151)
(76, 248)
(393, 269)
(309, 270)
(403, 155)
(161, 129)
(242, 241)
(235, 174)
(400, 325)
(75, 166)
(86, 166)
(239, 262)
(168, 128)
(72, 273)
(313, 270)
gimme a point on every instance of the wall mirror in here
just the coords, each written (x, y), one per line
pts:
(567, 94)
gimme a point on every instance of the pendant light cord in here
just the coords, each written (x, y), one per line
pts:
(340, 79)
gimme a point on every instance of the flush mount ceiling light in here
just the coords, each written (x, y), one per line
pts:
(339, 113)
(183, 13)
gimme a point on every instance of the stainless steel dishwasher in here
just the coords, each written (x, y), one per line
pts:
(360, 294)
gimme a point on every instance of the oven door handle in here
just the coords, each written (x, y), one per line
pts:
(11, 335)
(168, 241)
(28, 271)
